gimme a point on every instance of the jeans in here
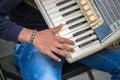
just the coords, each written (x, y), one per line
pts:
(34, 65)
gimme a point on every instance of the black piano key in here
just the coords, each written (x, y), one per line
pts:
(66, 7)
(80, 32)
(84, 37)
(62, 2)
(78, 24)
(69, 21)
(84, 44)
(70, 12)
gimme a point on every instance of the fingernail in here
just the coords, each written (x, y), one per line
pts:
(59, 60)
(73, 43)
(73, 50)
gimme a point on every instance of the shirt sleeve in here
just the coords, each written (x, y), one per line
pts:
(8, 29)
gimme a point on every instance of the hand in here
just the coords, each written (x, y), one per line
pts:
(47, 42)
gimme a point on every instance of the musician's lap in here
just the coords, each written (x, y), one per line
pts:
(105, 60)
(37, 66)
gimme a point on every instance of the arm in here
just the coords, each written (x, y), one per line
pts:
(46, 41)
(8, 30)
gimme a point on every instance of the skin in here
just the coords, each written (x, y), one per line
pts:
(47, 42)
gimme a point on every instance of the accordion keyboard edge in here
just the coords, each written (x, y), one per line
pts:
(80, 18)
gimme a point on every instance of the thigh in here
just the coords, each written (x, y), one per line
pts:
(36, 66)
(105, 60)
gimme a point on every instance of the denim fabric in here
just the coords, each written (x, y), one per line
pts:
(36, 66)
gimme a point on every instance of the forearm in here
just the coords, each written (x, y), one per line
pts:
(8, 30)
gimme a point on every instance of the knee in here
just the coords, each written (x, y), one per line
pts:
(47, 74)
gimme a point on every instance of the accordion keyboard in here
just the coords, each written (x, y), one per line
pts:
(80, 19)
(78, 23)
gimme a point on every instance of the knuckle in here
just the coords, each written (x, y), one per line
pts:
(64, 39)
(56, 50)
(63, 54)
(70, 49)
(63, 46)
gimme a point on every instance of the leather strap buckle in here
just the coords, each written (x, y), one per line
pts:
(113, 46)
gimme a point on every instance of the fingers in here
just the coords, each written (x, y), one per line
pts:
(64, 47)
(49, 51)
(56, 50)
(48, 43)
(64, 40)
(53, 56)
(60, 52)
(56, 29)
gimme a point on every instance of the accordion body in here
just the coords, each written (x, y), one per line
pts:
(91, 24)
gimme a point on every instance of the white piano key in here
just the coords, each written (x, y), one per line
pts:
(86, 49)
(67, 31)
(90, 44)
(56, 9)
(68, 25)
(58, 14)
(85, 40)
(69, 16)
(64, 20)
(72, 23)
(78, 21)
(51, 5)
(61, 19)
(84, 34)
(47, 2)
(53, 10)
(68, 11)
(70, 35)
(64, 30)
(57, 19)
(68, 3)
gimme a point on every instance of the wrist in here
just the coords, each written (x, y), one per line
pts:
(25, 35)
(33, 36)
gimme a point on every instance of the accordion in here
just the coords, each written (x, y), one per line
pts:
(91, 24)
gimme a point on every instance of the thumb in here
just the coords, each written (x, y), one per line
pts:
(56, 29)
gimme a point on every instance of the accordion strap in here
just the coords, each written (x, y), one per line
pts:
(31, 3)
(114, 45)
